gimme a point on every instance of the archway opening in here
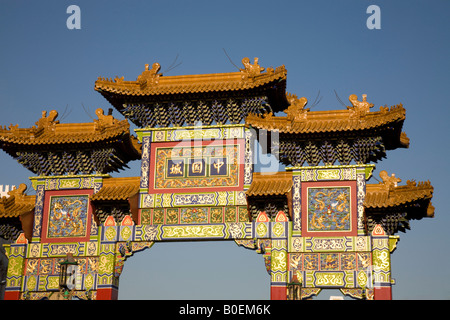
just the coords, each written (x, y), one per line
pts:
(200, 270)
(331, 294)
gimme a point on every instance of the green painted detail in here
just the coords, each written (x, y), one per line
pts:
(362, 279)
(329, 279)
(193, 231)
(361, 168)
(15, 266)
(144, 130)
(393, 240)
(106, 264)
(110, 233)
(328, 174)
(261, 229)
(86, 181)
(381, 260)
(279, 260)
(366, 169)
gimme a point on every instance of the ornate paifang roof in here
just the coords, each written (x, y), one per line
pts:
(18, 207)
(52, 147)
(270, 184)
(49, 131)
(117, 189)
(388, 194)
(17, 203)
(152, 83)
(156, 100)
(356, 118)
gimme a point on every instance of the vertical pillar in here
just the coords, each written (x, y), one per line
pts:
(104, 293)
(108, 284)
(39, 186)
(296, 203)
(278, 292)
(107, 288)
(145, 138)
(381, 262)
(249, 135)
(278, 270)
(16, 263)
(361, 176)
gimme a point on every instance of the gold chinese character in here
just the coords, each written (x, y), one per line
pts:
(197, 167)
(218, 164)
(175, 169)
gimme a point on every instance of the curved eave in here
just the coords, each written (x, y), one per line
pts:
(203, 83)
(412, 198)
(271, 85)
(64, 135)
(117, 189)
(270, 184)
(387, 124)
(14, 207)
(127, 143)
(328, 121)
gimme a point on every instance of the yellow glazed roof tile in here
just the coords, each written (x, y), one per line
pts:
(17, 204)
(265, 184)
(303, 121)
(115, 189)
(152, 82)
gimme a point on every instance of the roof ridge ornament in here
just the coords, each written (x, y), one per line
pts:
(149, 76)
(118, 80)
(359, 108)
(389, 182)
(296, 110)
(18, 192)
(104, 121)
(250, 71)
(45, 122)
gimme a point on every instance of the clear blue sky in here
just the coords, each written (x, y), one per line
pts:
(325, 45)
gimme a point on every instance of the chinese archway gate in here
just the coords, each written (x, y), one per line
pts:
(318, 222)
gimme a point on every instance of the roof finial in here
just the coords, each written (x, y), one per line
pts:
(104, 121)
(149, 76)
(389, 181)
(296, 110)
(360, 107)
(47, 121)
(250, 70)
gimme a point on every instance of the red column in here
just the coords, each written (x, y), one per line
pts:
(278, 293)
(12, 295)
(107, 294)
(382, 293)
